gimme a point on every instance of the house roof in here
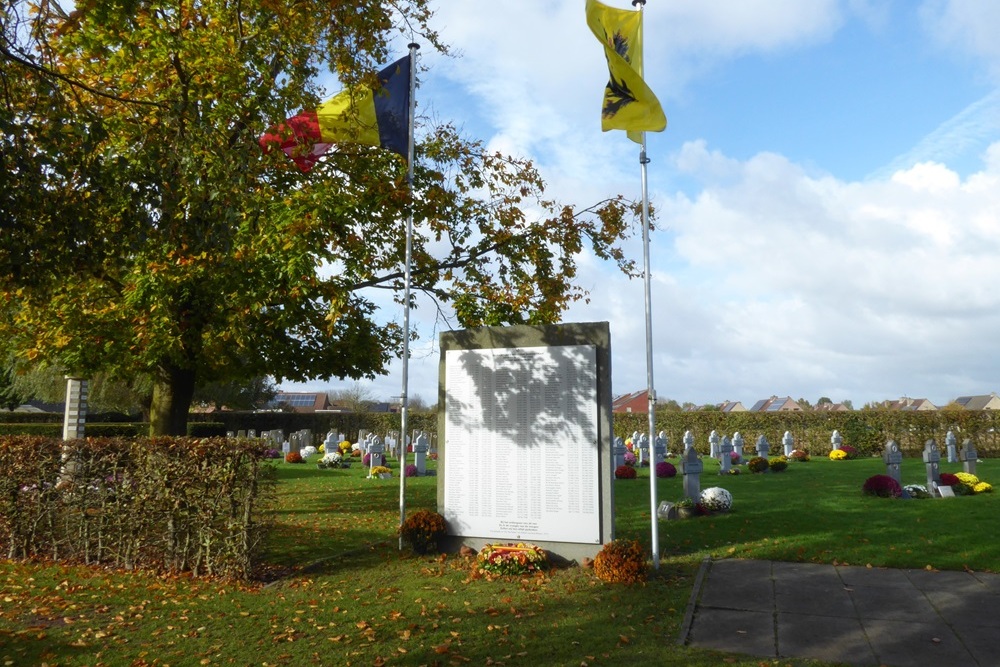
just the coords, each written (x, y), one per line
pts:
(619, 404)
(300, 401)
(976, 402)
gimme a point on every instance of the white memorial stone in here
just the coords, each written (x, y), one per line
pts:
(836, 440)
(788, 442)
(713, 444)
(968, 456)
(420, 448)
(618, 451)
(951, 447)
(688, 440)
(763, 446)
(738, 446)
(725, 455)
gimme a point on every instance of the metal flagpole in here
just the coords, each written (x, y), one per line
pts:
(651, 393)
(404, 398)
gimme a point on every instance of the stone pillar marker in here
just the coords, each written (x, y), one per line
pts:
(951, 447)
(618, 450)
(968, 455)
(691, 467)
(420, 448)
(713, 444)
(836, 440)
(763, 446)
(725, 455)
(738, 445)
(75, 417)
(932, 459)
(688, 441)
(660, 448)
(788, 442)
(893, 457)
(643, 449)
(377, 451)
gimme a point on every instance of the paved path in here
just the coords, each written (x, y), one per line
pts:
(846, 614)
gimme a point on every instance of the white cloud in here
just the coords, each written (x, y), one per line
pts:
(967, 26)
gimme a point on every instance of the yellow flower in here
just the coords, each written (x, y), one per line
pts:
(983, 487)
(838, 455)
(968, 479)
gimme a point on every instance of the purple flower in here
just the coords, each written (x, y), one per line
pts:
(629, 459)
(882, 486)
(665, 469)
(411, 470)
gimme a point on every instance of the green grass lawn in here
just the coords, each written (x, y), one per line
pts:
(347, 596)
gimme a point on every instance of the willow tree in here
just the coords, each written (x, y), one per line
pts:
(146, 233)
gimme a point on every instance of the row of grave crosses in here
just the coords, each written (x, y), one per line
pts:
(893, 458)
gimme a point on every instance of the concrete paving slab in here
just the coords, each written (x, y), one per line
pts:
(984, 646)
(750, 632)
(892, 604)
(895, 618)
(837, 640)
(816, 599)
(937, 580)
(990, 580)
(854, 575)
(916, 643)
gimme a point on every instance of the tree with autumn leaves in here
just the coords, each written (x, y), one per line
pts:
(146, 234)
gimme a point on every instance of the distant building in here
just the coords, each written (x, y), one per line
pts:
(906, 404)
(775, 404)
(637, 401)
(832, 407)
(986, 402)
(732, 406)
(300, 401)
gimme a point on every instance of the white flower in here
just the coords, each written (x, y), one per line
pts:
(917, 491)
(716, 499)
(307, 451)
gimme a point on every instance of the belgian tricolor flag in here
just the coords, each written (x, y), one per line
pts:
(379, 117)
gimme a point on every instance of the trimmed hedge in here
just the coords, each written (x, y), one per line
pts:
(173, 504)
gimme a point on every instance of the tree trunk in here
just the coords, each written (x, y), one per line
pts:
(172, 394)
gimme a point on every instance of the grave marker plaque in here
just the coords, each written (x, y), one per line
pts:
(763, 446)
(968, 455)
(738, 445)
(932, 459)
(691, 469)
(713, 444)
(893, 458)
(725, 455)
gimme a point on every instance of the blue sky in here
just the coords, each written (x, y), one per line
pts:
(827, 186)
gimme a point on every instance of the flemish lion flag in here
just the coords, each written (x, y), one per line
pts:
(629, 104)
(380, 118)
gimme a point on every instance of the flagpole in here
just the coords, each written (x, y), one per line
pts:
(404, 401)
(650, 391)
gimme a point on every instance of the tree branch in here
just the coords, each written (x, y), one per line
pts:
(9, 55)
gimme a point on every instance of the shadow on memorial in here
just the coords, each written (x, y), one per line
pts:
(520, 398)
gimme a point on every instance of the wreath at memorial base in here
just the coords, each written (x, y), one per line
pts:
(621, 562)
(422, 530)
(510, 559)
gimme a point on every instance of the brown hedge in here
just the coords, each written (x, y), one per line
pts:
(171, 504)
